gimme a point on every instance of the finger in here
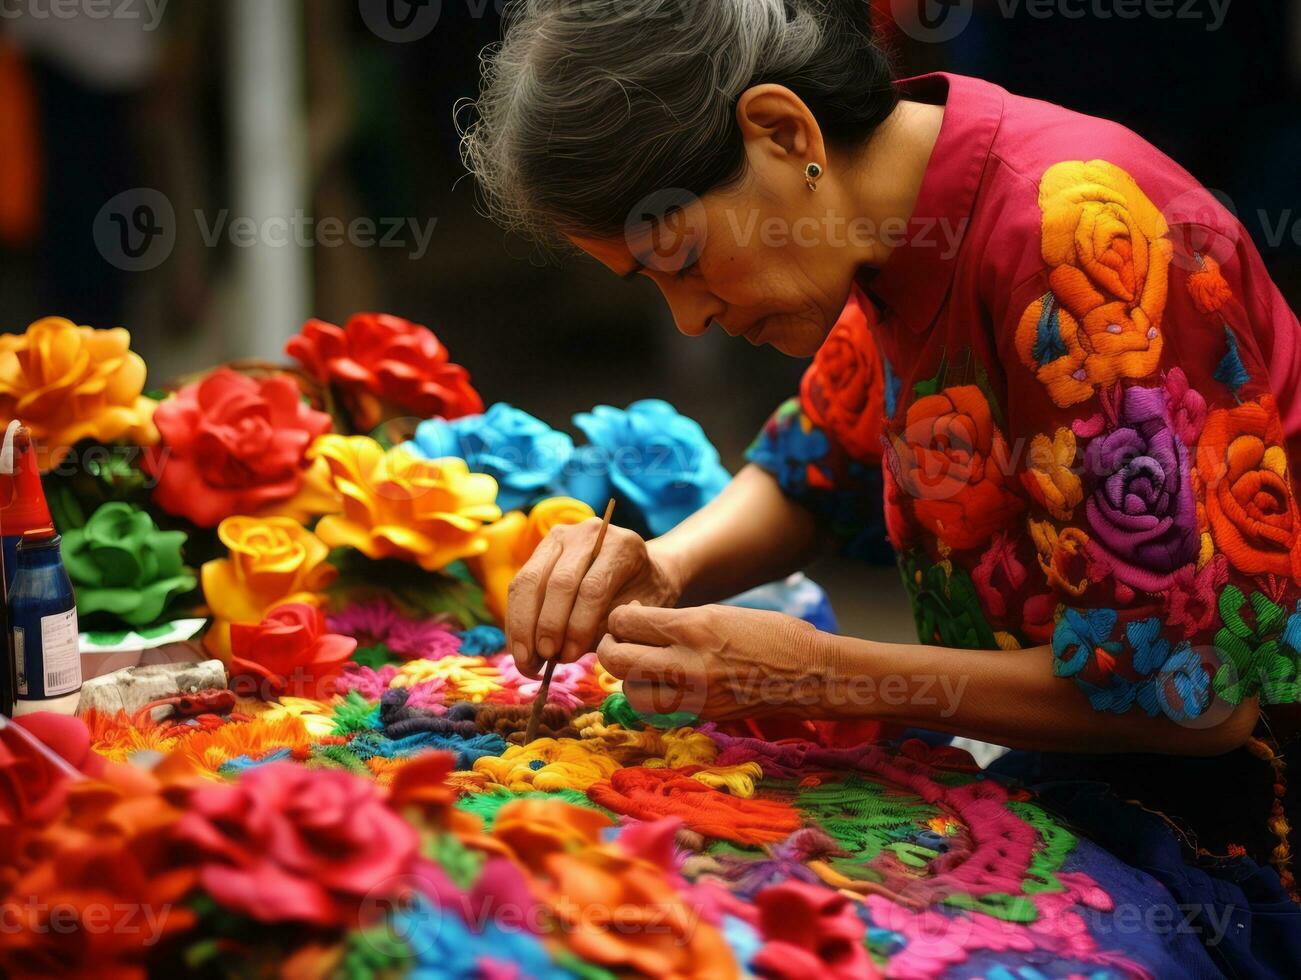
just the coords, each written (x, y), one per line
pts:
(628, 659)
(561, 593)
(524, 604)
(603, 581)
(647, 624)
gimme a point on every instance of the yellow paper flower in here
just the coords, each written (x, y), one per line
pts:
(430, 512)
(69, 383)
(273, 561)
(316, 496)
(512, 541)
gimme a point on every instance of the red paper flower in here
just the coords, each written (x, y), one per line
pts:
(32, 788)
(378, 359)
(290, 652)
(811, 931)
(232, 445)
(288, 844)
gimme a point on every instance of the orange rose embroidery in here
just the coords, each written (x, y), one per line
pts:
(955, 465)
(1250, 507)
(843, 393)
(1106, 246)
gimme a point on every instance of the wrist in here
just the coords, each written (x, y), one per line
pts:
(671, 567)
(850, 679)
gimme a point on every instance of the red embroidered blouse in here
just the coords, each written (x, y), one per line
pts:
(1078, 387)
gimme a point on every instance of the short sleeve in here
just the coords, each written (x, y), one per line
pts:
(824, 447)
(1162, 511)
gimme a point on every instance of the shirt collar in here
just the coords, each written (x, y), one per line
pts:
(915, 280)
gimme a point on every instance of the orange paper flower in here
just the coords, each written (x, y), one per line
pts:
(430, 512)
(1108, 253)
(108, 886)
(615, 909)
(69, 383)
(273, 561)
(514, 538)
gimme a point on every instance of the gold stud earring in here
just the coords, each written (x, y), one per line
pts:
(811, 175)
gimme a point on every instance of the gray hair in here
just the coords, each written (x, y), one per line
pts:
(589, 107)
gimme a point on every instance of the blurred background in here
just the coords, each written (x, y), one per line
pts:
(144, 144)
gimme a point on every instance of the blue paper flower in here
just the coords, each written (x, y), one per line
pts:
(656, 460)
(483, 641)
(444, 947)
(524, 455)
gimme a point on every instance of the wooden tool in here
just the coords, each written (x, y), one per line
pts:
(544, 691)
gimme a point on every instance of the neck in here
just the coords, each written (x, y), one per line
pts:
(885, 177)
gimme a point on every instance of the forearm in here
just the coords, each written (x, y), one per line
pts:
(750, 534)
(1008, 697)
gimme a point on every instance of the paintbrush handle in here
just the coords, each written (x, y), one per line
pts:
(540, 702)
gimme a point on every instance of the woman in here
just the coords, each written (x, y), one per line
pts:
(1062, 358)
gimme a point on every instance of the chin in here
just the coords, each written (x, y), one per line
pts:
(797, 338)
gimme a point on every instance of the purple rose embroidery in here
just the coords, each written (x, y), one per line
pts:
(1139, 495)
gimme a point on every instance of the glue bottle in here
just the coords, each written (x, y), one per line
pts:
(43, 628)
(22, 508)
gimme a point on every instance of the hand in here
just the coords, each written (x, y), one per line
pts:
(719, 663)
(559, 606)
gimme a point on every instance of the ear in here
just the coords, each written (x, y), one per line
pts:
(778, 128)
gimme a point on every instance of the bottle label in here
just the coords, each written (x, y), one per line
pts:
(62, 655)
(20, 660)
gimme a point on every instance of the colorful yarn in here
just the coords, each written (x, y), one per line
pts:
(355, 714)
(466, 678)
(649, 794)
(548, 764)
(482, 641)
(369, 682)
(378, 623)
(486, 806)
(565, 681)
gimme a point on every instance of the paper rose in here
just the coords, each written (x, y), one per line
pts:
(113, 849)
(232, 445)
(379, 362)
(69, 383)
(123, 566)
(32, 789)
(273, 561)
(524, 455)
(660, 462)
(843, 392)
(291, 651)
(288, 844)
(397, 506)
(512, 540)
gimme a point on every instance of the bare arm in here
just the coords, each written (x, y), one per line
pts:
(751, 534)
(724, 664)
(748, 535)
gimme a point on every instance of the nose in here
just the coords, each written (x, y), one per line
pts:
(694, 310)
